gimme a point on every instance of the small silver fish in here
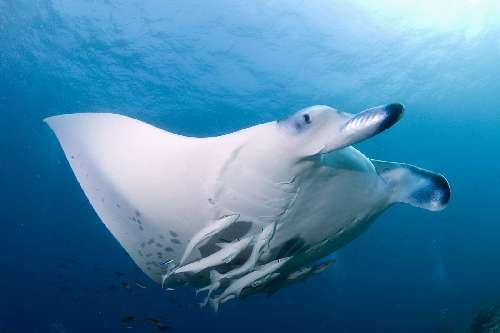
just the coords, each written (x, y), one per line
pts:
(140, 285)
(166, 262)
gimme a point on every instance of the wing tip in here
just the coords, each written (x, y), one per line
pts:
(51, 119)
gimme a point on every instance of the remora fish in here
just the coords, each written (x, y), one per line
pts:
(216, 278)
(262, 239)
(228, 252)
(235, 288)
(207, 232)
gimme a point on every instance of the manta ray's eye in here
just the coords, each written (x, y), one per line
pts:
(297, 123)
(307, 118)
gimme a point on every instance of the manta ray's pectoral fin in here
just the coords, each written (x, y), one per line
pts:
(415, 186)
(125, 168)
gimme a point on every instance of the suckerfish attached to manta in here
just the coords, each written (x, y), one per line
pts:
(226, 254)
(235, 288)
(206, 233)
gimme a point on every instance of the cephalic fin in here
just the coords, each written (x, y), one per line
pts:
(415, 186)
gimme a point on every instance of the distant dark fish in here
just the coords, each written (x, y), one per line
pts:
(126, 285)
(153, 321)
(164, 327)
(63, 266)
(128, 319)
(118, 273)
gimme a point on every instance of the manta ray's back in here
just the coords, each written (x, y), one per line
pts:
(139, 179)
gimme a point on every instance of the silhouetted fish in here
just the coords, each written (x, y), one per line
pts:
(164, 327)
(153, 321)
(71, 260)
(128, 319)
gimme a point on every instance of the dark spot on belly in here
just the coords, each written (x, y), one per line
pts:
(290, 248)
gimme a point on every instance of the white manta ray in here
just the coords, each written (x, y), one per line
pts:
(157, 192)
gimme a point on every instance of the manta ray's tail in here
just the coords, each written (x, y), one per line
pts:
(121, 165)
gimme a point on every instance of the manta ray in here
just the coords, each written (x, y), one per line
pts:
(246, 212)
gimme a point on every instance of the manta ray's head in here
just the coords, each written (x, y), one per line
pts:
(321, 129)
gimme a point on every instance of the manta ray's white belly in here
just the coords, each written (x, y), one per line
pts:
(257, 198)
(331, 208)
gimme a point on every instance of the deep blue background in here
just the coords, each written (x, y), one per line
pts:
(210, 67)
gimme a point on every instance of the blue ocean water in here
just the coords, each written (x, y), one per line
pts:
(210, 67)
